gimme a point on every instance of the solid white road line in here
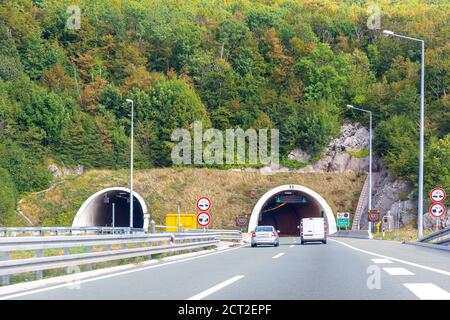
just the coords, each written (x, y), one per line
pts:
(381, 261)
(428, 291)
(210, 291)
(398, 271)
(278, 255)
(446, 273)
(70, 284)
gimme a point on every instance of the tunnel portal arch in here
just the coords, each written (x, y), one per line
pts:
(316, 200)
(96, 211)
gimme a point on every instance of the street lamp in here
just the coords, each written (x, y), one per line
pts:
(131, 162)
(422, 116)
(370, 157)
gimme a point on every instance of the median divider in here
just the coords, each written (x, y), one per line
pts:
(358, 234)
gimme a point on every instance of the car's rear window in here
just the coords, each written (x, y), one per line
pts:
(264, 228)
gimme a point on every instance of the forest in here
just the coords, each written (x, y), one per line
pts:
(286, 64)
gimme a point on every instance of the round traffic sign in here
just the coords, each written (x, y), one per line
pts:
(203, 204)
(203, 219)
(437, 210)
(438, 195)
(241, 221)
(374, 215)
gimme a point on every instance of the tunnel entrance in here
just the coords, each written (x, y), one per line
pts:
(97, 210)
(283, 207)
(284, 211)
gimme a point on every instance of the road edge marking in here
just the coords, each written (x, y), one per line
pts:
(215, 288)
(446, 273)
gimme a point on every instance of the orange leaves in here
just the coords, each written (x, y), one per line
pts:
(56, 79)
(139, 77)
(90, 95)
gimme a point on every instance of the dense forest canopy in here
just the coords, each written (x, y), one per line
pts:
(290, 65)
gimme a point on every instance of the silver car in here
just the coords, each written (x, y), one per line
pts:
(265, 235)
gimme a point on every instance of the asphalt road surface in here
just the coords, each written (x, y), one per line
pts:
(341, 269)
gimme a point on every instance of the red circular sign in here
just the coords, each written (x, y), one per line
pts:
(241, 221)
(437, 210)
(203, 219)
(438, 195)
(203, 204)
(374, 215)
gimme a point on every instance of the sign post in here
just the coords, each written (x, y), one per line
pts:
(203, 217)
(373, 215)
(438, 195)
(343, 219)
(203, 204)
(437, 209)
(241, 221)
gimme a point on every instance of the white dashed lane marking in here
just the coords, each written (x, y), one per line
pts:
(398, 271)
(278, 255)
(381, 260)
(427, 291)
(216, 288)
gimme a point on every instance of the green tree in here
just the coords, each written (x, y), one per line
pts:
(46, 111)
(8, 196)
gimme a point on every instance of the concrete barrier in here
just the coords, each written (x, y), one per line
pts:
(359, 234)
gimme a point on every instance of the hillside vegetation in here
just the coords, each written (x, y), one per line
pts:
(285, 64)
(232, 193)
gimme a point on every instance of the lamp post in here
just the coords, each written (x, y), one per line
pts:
(370, 157)
(422, 116)
(131, 162)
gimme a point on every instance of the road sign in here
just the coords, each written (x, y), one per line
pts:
(343, 219)
(438, 195)
(241, 221)
(437, 210)
(203, 219)
(373, 215)
(203, 204)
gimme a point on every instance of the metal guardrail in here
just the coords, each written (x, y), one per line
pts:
(441, 237)
(141, 245)
(224, 235)
(14, 231)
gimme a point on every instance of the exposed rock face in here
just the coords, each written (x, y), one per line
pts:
(64, 171)
(299, 155)
(336, 158)
(390, 195)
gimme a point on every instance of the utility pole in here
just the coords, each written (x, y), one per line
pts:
(131, 162)
(422, 128)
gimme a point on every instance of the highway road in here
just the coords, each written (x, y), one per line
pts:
(342, 269)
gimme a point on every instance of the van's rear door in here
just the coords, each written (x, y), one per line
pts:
(313, 228)
(319, 228)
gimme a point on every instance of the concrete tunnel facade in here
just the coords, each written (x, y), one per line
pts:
(283, 207)
(96, 211)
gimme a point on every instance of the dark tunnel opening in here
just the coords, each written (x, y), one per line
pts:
(285, 210)
(99, 211)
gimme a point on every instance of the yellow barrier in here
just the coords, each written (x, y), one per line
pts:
(187, 221)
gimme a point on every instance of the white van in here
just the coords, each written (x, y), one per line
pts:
(313, 229)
